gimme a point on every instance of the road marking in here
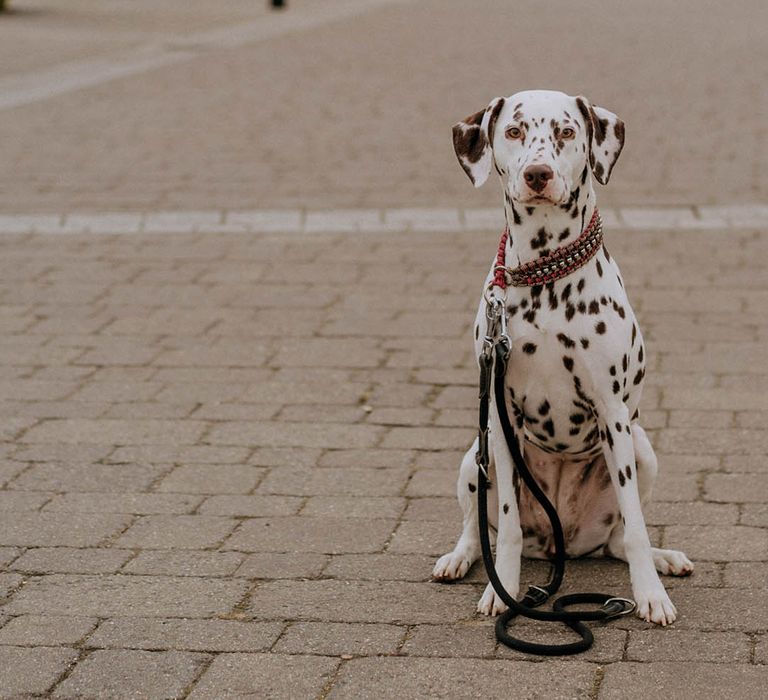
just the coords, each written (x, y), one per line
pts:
(27, 88)
(392, 220)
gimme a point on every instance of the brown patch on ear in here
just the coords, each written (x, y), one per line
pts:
(618, 131)
(469, 141)
(492, 119)
(587, 113)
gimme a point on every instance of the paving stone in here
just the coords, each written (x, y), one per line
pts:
(425, 537)
(270, 565)
(683, 680)
(608, 647)
(427, 438)
(9, 582)
(185, 635)
(363, 601)
(307, 534)
(445, 510)
(325, 435)
(264, 675)
(720, 542)
(132, 674)
(381, 567)
(47, 630)
(433, 482)
(66, 560)
(88, 477)
(115, 432)
(736, 488)
(32, 529)
(16, 500)
(337, 638)
(184, 563)
(722, 610)
(30, 671)
(754, 514)
(332, 481)
(474, 639)
(354, 506)
(135, 503)
(695, 513)
(182, 454)
(251, 506)
(686, 645)
(176, 532)
(742, 574)
(126, 596)
(211, 478)
(439, 678)
(7, 555)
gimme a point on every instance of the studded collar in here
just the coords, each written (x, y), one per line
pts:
(561, 262)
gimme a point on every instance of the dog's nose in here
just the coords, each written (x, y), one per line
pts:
(537, 176)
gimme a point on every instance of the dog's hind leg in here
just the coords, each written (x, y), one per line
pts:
(455, 564)
(670, 562)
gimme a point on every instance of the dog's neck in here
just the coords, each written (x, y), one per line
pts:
(535, 231)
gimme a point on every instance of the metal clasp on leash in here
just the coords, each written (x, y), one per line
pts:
(627, 606)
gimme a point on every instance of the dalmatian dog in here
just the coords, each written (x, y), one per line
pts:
(577, 364)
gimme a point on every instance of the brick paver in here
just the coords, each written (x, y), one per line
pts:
(235, 371)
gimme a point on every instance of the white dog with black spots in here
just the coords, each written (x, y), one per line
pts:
(577, 364)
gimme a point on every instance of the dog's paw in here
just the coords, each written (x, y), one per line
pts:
(670, 562)
(490, 603)
(654, 605)
(451, 567)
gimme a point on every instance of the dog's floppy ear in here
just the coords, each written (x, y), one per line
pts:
(473, 141)
(605, 132)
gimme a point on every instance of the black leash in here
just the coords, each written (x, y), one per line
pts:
(611, 607)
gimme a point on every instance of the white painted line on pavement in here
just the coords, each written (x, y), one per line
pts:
(26, 88)
(390, 220)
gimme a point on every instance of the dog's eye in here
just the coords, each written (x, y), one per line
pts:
(568, 133)
(513, 132)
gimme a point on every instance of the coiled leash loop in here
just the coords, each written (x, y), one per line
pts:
(497, 343)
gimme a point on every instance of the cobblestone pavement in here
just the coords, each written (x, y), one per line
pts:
(231, 427)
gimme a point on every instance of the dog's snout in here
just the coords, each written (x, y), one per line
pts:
(537, 176)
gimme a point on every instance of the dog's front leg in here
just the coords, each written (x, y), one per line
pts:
(509, 539)
(653, 603)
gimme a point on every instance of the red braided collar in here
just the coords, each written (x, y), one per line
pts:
(557, 264)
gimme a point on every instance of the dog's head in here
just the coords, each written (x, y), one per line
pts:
(541, 143)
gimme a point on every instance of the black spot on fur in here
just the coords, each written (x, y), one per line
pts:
(565, 340)
(477, 332)
(594, 307)
(616, 387)
(580, 285)
(570, 312)
(639, 376)
(564, 234)
(622, 480)
(582, 307)
(549, 426)
(618, 426)
(634, 333)
(600, 327)
(636, 414)
(640, 354)
(529, 210)
(628, 470)
(529, 348)
(544, 408)
(506, 508)
(576, 418)
(608, 519)
(624, 362)
(608, 437)
(599, 268)
(612, 370)
(584, 343)
(472, 487)
(568, 363)
(566, 293)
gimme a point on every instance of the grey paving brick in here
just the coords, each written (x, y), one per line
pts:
(184, 563)
(746, 574)
(66, 560)
(176, 532)
(475, 639)
(136, 503)
(354, 506)
(264, 675)
(269, 565)
(381, 567)
(9, 582)
(126, 596)
(88, 477)
(754, 514)
(115, 432)
(185, 635)
(46, 630)
(29, 671)
(307, 534)
(251, 506)
(683, 680)
(211, 478)
(439, 678)
(18, 500)
(736, 488)
(182, 454)
(324, 435)
(688, 645)
(336, 639)
(721, 542)
(132, 674)
(332, 481)
(425, 537)
(8, 554)
(363, 601)
(32, 529)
